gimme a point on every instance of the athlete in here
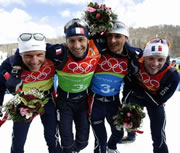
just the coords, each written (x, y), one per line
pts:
(155, 83)
(118, 60)
(35, 72)
(75, 62)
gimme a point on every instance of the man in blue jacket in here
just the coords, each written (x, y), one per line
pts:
(155, 83)
(117, 61)
(32, 49)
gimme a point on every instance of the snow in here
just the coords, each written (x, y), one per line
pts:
(3, 56)
(35, 141)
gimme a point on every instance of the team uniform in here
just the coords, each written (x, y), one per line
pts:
(152, 91)
(43, 80)
(104, 100)
(74, 78)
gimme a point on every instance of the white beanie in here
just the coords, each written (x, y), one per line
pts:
(31, 45)
(120, 28)
(156, 48)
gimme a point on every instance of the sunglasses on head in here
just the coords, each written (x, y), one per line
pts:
(159, 40)
(28, 36)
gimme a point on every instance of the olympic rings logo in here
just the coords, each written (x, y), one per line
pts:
(37, 76)
(112, 64)
(82, 67)
(147, 80)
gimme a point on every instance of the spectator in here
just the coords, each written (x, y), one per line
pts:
(173, 63)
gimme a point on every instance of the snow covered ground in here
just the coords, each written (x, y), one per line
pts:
(36, 144)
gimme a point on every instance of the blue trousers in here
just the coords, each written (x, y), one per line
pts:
(157, 123)
(49, 121)
(99, 112)
(77, 112)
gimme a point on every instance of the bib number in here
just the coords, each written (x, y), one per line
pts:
(107, 88)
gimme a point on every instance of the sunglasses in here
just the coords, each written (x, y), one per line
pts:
(28, 36)
(75, 23)
(159, 39)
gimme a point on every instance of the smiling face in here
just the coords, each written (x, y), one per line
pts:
(77, 45)
(116, 42)
(33, 59)
(153, 64)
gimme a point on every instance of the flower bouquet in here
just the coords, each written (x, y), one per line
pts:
(25, 105)
(99, 18)
(130, 117)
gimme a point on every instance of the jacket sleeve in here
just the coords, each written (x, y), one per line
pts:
(5, 67)
(130, 82)
(134, 54)
(133, 89)
(100, 42)
(167, 89)
(17, 61)
(58, 53)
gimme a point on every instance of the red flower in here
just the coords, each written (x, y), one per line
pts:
(29, 97)
(98, 15)
(102, 6)
(108, 9)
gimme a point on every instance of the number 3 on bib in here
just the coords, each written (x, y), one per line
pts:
(107, 88)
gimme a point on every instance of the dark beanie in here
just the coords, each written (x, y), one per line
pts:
(77, 31)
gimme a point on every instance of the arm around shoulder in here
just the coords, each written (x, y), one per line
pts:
(58, 53)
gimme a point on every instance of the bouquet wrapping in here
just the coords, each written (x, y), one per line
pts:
(25, 105)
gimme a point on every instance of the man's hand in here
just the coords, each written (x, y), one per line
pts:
(14, 82)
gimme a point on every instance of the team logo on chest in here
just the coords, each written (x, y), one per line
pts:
(82, 67)
(46, 72)
(112, 64)
(148, 81)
